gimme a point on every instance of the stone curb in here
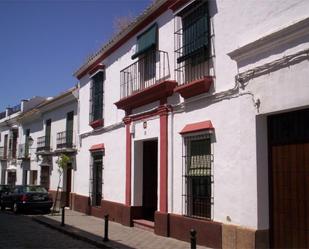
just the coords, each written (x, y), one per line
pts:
(71, 231)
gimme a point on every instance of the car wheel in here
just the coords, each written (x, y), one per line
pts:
(15, 208)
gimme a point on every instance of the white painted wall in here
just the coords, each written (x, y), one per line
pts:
(240, 161)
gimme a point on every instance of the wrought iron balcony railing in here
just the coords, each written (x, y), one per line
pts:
(3, 154)
(43, 144)
(65, 140)
(149, 70)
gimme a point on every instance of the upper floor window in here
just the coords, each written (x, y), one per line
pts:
(96, 97)
(192, 42)
(146, 41)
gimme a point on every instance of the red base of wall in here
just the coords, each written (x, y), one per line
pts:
(209, 233)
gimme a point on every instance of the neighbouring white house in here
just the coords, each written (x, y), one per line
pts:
(47, 132)
(196, 116)
(9, 133)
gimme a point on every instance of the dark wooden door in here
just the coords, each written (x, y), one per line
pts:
(289, 182)
(45, 176)
(68, 185)
(150, 176)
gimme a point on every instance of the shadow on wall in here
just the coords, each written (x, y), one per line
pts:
(273, 52)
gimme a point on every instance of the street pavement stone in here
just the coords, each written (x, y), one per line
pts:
(20, 231)
(121, 237)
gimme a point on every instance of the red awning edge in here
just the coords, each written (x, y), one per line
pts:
(97, 147)
(200, 126)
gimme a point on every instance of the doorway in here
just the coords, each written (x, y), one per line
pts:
(68, 184)
(150, 179)
(289, 174)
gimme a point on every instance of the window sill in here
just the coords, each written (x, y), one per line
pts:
(97, 123)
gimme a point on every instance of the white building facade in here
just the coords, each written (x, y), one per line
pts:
(46, 133)
(9, 134)
(184, 131)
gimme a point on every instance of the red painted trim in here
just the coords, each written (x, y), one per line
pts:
(194, 88)
(96, 68)
(153, 93)
(127, 121)
(133, 32)
(97, 123)
(97, 147)
(151, 113)
(163, 112)
(200, 126)
(178, 4)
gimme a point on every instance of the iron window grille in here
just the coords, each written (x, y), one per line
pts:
(96, 97)
(198, 176)
(96, 178)
(192, 43)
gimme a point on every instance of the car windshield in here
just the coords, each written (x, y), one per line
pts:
(36, 189)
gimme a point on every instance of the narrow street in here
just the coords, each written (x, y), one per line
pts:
(19, 231)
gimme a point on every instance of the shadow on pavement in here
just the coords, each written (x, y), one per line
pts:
(80, 234)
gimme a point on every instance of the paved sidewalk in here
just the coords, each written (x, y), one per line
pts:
(89, 228)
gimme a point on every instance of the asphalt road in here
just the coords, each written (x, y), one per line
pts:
(20, 231)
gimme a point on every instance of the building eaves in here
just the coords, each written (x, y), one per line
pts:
(126, 33)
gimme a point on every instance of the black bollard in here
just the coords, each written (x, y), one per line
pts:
(193, 238)
(62, 217)
(105, 228)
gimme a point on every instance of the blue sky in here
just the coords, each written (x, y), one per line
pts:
(43, 42)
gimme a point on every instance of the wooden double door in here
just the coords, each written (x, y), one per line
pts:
(289, 179)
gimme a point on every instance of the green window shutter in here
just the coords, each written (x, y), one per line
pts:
(47, 132)
(97, 96)
(200, 159)
(146, 41)
(69, 129)
(195, 33)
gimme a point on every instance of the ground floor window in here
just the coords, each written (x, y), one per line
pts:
(96, 181)
(197, 176)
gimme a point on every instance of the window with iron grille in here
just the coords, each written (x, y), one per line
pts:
(96, 97)
(197, 176)
(96, 178)
(192, 42)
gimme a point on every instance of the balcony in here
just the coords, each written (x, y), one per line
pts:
(145, 81)
(24, 151)
(3, 153)
(65, 142)
(43, 145)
